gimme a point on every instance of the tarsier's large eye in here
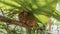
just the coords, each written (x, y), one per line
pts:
(27, 18)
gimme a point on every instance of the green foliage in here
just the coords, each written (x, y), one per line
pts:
(41, 9)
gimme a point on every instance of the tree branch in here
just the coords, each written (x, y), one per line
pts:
(7, 20)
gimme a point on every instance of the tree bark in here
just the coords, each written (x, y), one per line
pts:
(10, 21)
(49, 22)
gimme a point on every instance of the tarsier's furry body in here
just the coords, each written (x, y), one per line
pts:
(27, 18)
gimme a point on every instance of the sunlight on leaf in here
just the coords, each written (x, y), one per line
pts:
(44, 19)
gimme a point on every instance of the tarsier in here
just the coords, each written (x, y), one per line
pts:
(27, 18)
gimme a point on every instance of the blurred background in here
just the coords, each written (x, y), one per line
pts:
(51, 21)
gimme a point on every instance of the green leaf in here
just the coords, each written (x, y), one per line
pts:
(43, 18)
(56, 15)
(9, 4)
